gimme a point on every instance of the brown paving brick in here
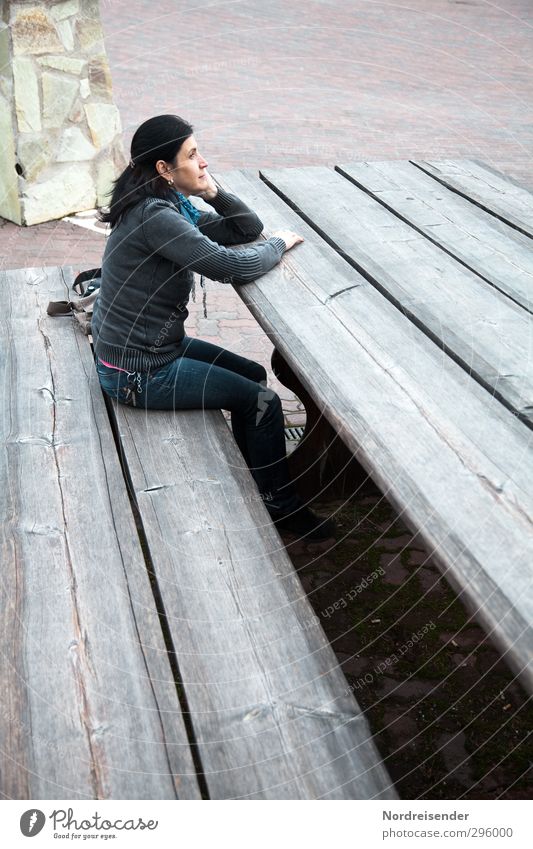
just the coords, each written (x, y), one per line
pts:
(304, 83)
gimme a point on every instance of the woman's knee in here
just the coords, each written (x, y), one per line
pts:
(267, 406)
(258, 372)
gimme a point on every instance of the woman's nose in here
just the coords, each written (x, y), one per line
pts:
(203, 163)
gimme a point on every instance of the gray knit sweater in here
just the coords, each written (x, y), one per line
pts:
(147, 267)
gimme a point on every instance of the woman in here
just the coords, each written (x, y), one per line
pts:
(143, 357)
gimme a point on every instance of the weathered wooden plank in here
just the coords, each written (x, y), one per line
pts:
(488, 246)
(89, 704)
(486, 332)
(272, 712)
(487, 188)
(455, 462)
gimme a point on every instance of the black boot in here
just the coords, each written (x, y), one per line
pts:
(305, 523)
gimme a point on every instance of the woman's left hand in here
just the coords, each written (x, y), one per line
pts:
(211, 189)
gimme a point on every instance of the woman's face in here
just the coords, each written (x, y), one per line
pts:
(188, 171)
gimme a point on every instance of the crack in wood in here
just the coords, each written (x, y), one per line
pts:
(96, 763)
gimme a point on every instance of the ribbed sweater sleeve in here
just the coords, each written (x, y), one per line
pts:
(235, 222)
(169, 234)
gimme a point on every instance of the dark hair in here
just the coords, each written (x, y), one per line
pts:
(158, 138)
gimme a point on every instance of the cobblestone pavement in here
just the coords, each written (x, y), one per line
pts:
(299, 83)
(324, 82)
(449, 717)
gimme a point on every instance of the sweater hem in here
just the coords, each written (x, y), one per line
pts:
(133, 360)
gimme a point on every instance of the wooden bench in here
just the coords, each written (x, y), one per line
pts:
(406, 317)
(156, 643)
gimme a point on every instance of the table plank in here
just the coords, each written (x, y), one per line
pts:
(486, 245)
(455, 462)
(487, 188)
(272, 712)
(487, 333)
(89, 704)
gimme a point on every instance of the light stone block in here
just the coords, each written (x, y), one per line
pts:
(9, 181)
(69, 189)
(77, 114)
(63, 63)
(89, 33)
(65, 10)
(33, 31)
(100, 78)
(59, 94)
(34, 154)
(106, 173)
(5, 53)
(27, 104)
(104, 122)
(64, 29)
(59, 128)
(74, 146)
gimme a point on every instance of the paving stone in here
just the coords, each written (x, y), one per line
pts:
(431, 580)
(406, 691)
(395, 572)
(456, 758)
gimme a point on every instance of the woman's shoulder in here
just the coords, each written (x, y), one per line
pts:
(154, 205)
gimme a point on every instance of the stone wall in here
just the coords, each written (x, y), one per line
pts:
(59, 128)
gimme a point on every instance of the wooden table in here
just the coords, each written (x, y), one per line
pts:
(406, 318)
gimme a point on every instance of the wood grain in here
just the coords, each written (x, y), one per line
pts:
(487, 188)
(486, 245)
(89, 704)
(272, 712)
(455, 462)
(486, 332)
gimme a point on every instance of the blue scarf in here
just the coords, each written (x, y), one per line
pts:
(187, 209)
(192, 214)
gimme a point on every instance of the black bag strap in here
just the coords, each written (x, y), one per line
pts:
(59, 308)
(86, 277)
(91, 278)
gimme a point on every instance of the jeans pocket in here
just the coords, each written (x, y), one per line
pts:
(115, 384)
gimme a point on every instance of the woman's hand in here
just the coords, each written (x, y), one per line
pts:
(291, 239)
(211, 189)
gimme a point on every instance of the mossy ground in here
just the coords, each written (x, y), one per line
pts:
(450, 718)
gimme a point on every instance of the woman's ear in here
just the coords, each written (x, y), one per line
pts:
(161, 167)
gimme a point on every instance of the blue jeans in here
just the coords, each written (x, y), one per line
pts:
(206, 377)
